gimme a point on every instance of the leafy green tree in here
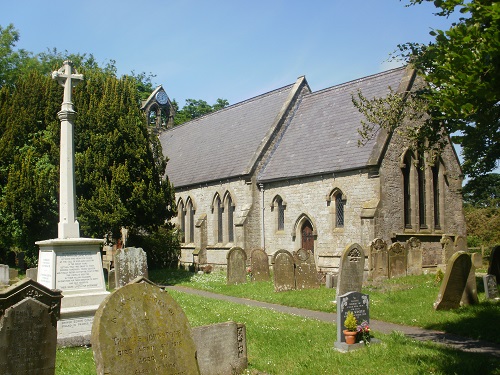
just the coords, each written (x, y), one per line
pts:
(483, 191)
(196, 108)
(462, 70)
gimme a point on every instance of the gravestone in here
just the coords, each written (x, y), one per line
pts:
(221, 348)
(20, 260)
(259, 265)
(397, 260)
(140, 329)
(477, 260)
(379, 260)
(330, 280)
(494, 267)
(284, 271)
(448, 249)
(4, 274)
(469, 296)
(352, 265)
(454, 282)
(112, 279)
(28, 328)
(460, 243)
(236, 266)
(306, 274)
(13, 275)
(32, 273)
(130, 263)
(414, 256)
(490, 286)
(356, 302)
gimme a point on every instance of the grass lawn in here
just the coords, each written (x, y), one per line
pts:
(288, 344)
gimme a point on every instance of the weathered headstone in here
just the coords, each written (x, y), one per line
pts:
(236, 266)
(13, 275)
(448, 248)
(130, 263)
(460, 243)
(469, 296)
(379, 260)
(140, 329)
(330, 280)
(454, 282)
(494, 267)
(32, 273)
(221, 348)
(4, 274)
(112, 279)
(28, 328)
(352, 265)
(414, 256)
(397, 260)
(259, 264)
(490, 286)
(477, 260)
(356, 302)
(284, 271)
(306, 274)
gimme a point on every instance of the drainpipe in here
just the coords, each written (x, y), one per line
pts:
(263, 233)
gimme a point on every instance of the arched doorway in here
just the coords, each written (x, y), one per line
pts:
(307, 236)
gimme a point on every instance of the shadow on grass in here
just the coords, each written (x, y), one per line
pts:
(170, 276)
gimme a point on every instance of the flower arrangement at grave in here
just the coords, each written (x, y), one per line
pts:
(351, 328)
(363, 331)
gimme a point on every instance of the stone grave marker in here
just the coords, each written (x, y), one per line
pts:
(414, 256)
(494, 267)
(259, 264)
(284, 271)
(490, 286)
(32, 273)
(397, 260)
(306, 274)
(448, 248)
(352, 265)
(4, 274)
(356, 302)
(236, 266)
(454, 282)
(140, 329)
(221, 348)
(130, 262)
(112, 279)
(13, 275)
(379, 260)
(28, 328)
(477, 260)
(460, 243)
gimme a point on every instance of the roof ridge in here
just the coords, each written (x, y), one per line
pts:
(235, 105)
(354, 81)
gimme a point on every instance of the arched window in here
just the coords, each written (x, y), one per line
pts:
(422, 204)
(278, 206)
(230, 218)
(219, 209)
(338, 200)
(190, 220)
(181, 217)
(407, 189)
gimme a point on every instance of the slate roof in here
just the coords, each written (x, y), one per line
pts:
(322, 137)
(222, 144)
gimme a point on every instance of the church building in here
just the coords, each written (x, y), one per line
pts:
(283, 170)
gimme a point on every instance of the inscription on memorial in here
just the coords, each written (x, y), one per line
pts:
(356, 302)
(45, 262)
(78, 270)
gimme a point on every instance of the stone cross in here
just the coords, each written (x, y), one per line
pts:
(68, 226)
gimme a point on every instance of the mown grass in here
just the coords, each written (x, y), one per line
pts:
(406, 300)
(288, 344)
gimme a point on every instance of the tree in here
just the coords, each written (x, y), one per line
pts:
(462, 96)
(483, 191)
(196, 108)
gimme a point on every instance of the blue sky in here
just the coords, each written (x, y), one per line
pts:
(227, 49)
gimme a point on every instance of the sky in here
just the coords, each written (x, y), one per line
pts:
(229, 49)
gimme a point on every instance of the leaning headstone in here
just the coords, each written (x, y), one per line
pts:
(448, 248)
(28, 328)
(221, 348)
(32, 273)
(356, 302)
(454, 282)
(494, 267)
(130, 263)
(352, 265)
(306, 274)
(284, 271)
(414, 256)
(379, 261)
(4, 274)
(236, 266)
(397, 260)
(490, 286)
(259, 264)
(140, 329)
(469, 296)
(460, 243)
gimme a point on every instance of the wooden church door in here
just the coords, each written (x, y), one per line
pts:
(307, 236)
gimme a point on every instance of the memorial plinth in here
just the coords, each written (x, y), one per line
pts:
(74, 266)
